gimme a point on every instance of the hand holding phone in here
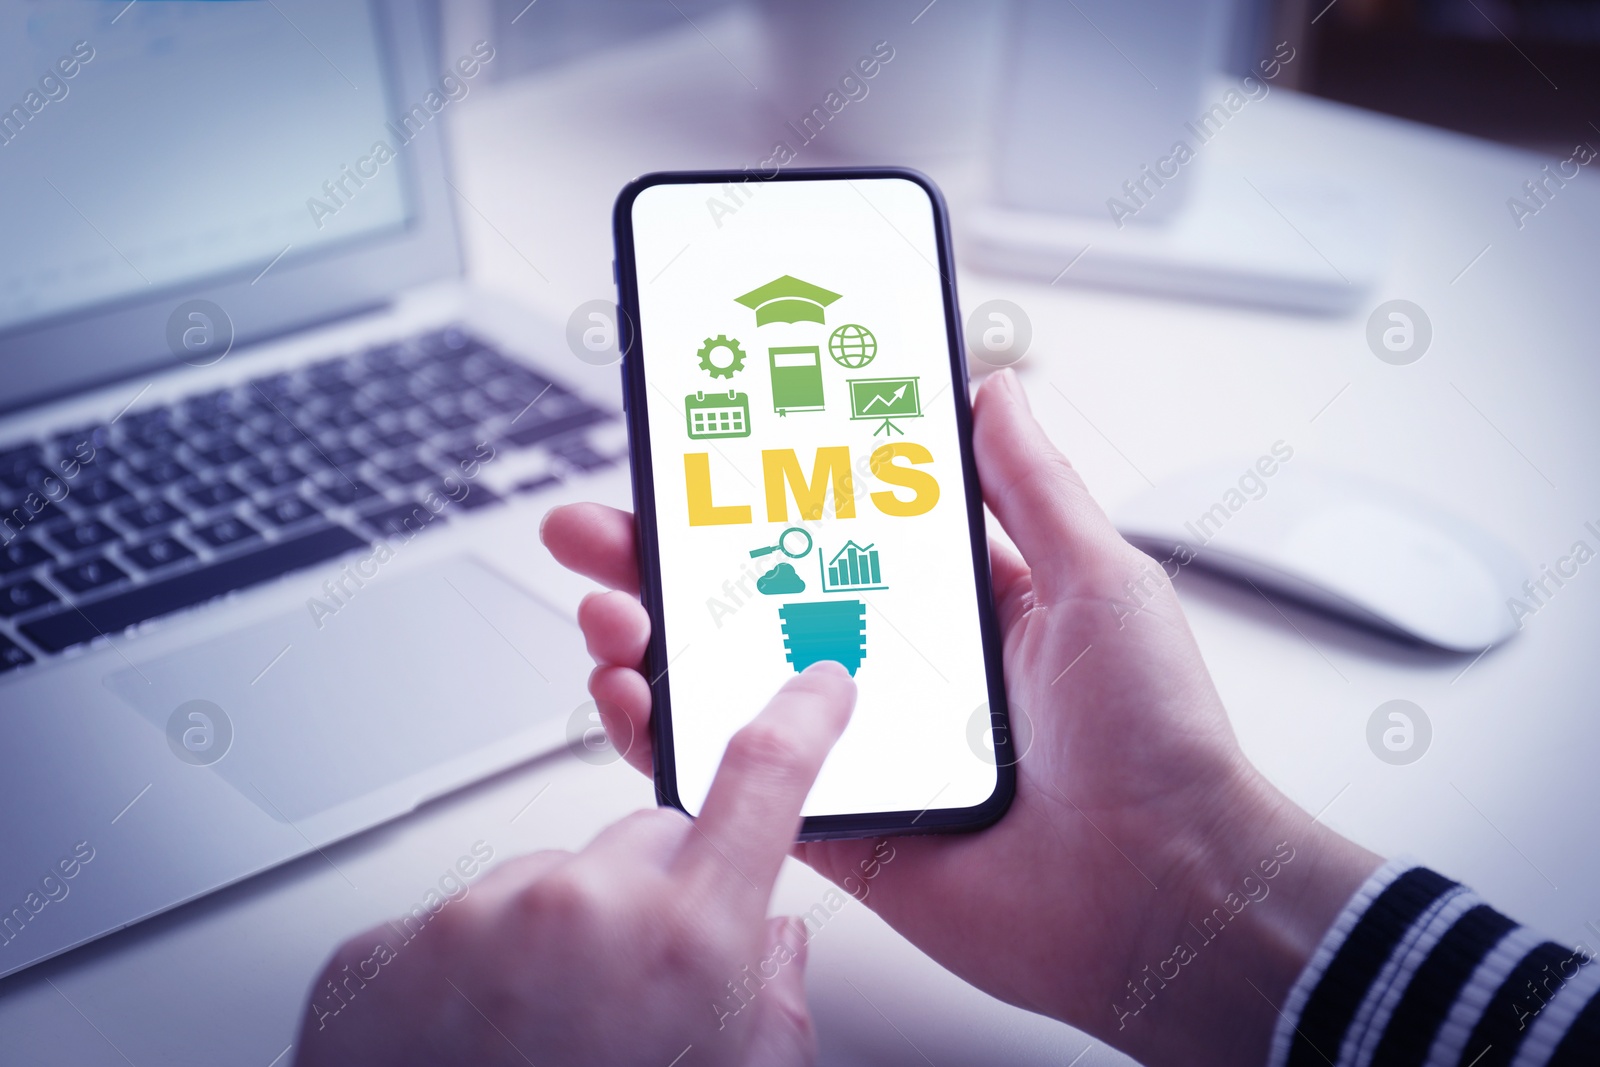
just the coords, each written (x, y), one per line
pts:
(1135, 813)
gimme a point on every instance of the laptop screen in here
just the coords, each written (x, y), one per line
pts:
(185, 141)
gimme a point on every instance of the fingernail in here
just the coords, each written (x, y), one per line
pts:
(827, 666)
(1014, 384)
(545, 522)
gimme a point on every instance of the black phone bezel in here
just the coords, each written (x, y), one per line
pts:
(865, 824)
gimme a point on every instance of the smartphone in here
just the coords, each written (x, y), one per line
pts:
(804, 485)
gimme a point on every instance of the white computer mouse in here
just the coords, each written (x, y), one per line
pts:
(1358, 548)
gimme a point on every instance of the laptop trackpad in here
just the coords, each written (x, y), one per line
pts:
(325, 706)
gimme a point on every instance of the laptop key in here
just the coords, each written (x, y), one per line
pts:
(404, 402)
(411, 473)
(158, 553)
(86, 438)
(214, 495)
(222, 422)
(73, 626)
(346, 417)
(280, 432)
(48, 483)
(102, 457)
(12, 655)
(271, 475)
(287, 511)
(89, 575)
(224, 532)
(21, 456)
(347, 493)
(404, 520)
(450, 421)
(463, 452)
(163, 471)
(225, 454)
(580, 455)
(337, 456)
(20, 553)
(28, 509)
(95, 491)
(397, 438)
(23, 596)
(523, 388)
(156, 437)
(144, 516)
(441, 377)
(25, 476)
(535, 432)
(76, 537)
(477, 497)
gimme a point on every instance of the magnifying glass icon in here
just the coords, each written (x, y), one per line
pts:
(784, 544)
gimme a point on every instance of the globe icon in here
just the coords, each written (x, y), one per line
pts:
(852, 346)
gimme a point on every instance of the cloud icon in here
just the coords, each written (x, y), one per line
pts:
(780, 579)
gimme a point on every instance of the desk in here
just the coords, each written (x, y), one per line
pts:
(1495, 421)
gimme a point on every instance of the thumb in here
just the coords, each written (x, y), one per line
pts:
(784, 1033)
(1041, 501)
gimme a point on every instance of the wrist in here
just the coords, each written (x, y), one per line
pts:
(1258, 886)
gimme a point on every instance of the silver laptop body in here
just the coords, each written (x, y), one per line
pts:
(271, 474)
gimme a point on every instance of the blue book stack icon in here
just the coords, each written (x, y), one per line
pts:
(834, 629)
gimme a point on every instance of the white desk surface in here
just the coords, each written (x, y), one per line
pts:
(1496, 422)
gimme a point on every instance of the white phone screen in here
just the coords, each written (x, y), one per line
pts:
(809, 495)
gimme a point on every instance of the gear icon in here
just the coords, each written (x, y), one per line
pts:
(721, 357)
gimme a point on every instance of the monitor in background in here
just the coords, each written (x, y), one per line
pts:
(275, 159)
(192, 140)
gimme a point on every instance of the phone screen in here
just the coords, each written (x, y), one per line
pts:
(810, 499)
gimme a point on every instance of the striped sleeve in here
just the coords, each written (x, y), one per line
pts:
(1417, 971)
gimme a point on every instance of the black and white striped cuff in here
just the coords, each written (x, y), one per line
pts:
(1417, 970)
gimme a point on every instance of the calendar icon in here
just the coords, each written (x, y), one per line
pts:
(718, 415)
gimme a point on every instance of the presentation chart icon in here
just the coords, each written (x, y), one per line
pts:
(717, 415)
(885, 398)
(796, 378)
(832, 629)
(852, 346)
(852, 569)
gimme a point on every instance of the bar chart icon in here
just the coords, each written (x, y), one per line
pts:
(852, 569)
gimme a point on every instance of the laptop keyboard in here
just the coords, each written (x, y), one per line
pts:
(186, 502)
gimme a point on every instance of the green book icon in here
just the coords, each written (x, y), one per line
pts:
(796, 378)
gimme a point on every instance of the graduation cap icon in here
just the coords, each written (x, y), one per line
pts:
(787, 299)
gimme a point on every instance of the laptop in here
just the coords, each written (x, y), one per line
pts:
(271, 472)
